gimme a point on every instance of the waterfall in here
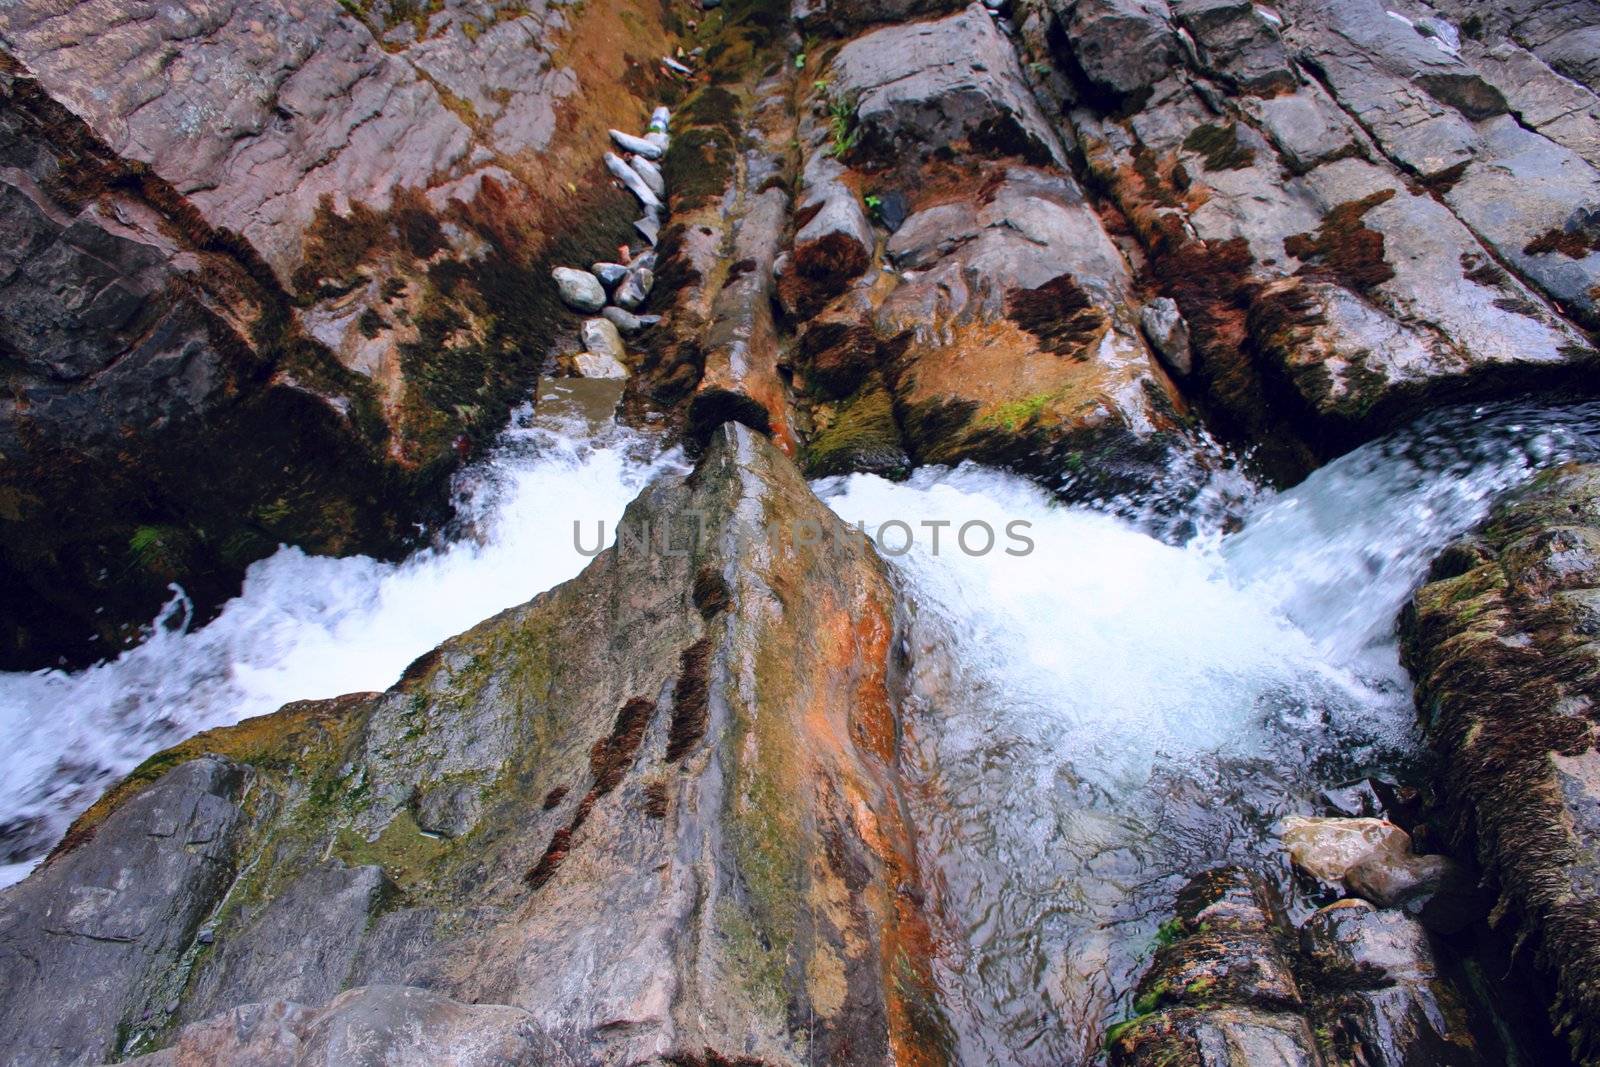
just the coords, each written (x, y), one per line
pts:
(307, 627)
(1092, 722)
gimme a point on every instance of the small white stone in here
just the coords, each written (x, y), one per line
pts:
(638, 145)
(601, 338)
(591, 365)
(579, 289)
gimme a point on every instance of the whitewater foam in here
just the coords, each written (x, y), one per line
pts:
(307, 627)
(1093, 722)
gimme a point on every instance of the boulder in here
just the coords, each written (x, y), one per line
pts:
(601, 337)
(1018, 336)
(579, 289)
(626, 321)
(598, 365)
(1400, 1011)
(842, 16)
(1435, 889)
(1232, 985)
(635, 288)
(609, 273)
(709, 790)
(1500, 641)
(1238, 43)
(924, 86)
(1221, 990)
(1326, 849)
(1119, 49)
(834, 243)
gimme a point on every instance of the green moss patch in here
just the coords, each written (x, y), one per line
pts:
(863, 436)
(1219, 147)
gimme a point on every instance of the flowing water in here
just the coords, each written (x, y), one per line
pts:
(1089, 722)
(307, 627)
(1094, 721)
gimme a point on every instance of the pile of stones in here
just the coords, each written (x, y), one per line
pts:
(615, 292)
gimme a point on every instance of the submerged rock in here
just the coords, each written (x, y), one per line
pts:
(1397, 1010)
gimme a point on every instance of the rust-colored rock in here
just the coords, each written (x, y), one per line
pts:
(731, 863)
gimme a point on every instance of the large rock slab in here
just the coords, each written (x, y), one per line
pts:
(1019, 341)
(938, 85)
(1501, 644)
(88, 947)
(313, 238)
(369, 1026)
(1530, 198)
(651, 815)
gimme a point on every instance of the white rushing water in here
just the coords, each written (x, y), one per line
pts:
(307, 627)
(1089, 723)
(1095, 721)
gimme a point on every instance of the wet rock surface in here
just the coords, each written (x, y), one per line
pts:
(300, 235)
(656, 814)
(1234, 984)
(1500, 642)
(703, 807)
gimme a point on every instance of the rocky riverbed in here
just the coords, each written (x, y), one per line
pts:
(1258, 338)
